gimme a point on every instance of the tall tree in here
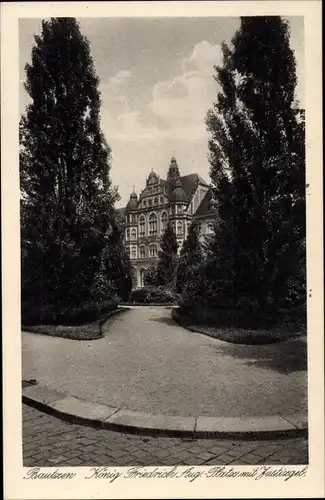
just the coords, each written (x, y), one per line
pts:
(117, 267)
(190, 259)
(67, 197)
(167, 264)
(258, 171)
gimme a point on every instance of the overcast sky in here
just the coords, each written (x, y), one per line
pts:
(156, 86)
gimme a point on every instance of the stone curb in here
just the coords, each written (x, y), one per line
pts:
(79, 411)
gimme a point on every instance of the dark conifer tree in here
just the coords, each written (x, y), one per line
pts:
(190, 259)
(67, 199)
(258, 172)
(167, 264)
(118, 269)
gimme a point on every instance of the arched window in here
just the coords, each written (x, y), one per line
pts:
(142, 224)
(155, 201)
(142, 252)
(164, 220)
(150, 202)
(144, 203)
(133, 253)
(174, 225)
(153, 224)
(179, 227)
(153, 250)
(133, 234)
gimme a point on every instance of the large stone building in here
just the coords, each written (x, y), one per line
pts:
(178, 199)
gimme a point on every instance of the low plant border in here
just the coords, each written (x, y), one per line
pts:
(162, 304)
(71, 331)
(233, 335)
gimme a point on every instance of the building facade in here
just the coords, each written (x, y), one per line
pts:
(177, 199)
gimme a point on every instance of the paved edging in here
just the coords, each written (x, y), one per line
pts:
(79, 411)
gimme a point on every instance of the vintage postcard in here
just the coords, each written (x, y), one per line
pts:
(163, 331)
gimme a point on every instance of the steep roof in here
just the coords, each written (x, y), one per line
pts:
(190, 183)
(206, 207)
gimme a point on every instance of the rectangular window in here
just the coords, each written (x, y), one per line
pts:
(153, 251)
(142, 252)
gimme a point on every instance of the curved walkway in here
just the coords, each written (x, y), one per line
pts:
(145, 362)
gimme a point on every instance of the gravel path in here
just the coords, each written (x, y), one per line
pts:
(146, 362)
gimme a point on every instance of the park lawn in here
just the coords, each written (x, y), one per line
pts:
(90, 331)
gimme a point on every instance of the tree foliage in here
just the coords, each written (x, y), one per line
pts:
(150, 276)
(67, 207)
(190, 260)
(257, 157)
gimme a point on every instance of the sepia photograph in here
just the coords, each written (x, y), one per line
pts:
(163, 241)
(162, 250)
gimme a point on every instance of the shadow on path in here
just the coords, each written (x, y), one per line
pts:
(166, 320)
(284, 357)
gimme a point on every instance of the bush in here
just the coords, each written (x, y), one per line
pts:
(150, 276)
(52, 315)
(152, 294)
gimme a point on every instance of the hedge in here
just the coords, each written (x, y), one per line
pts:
(75, 315)
(239, 318)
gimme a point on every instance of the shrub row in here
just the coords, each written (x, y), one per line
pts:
(52, 315)
(240, 318)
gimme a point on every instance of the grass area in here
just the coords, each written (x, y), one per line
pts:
(240, 335)
(88, 331)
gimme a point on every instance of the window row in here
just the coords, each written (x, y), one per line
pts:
(131, 233)
(152, 202)
(131, 218)
(151, 251)
(153, 225)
